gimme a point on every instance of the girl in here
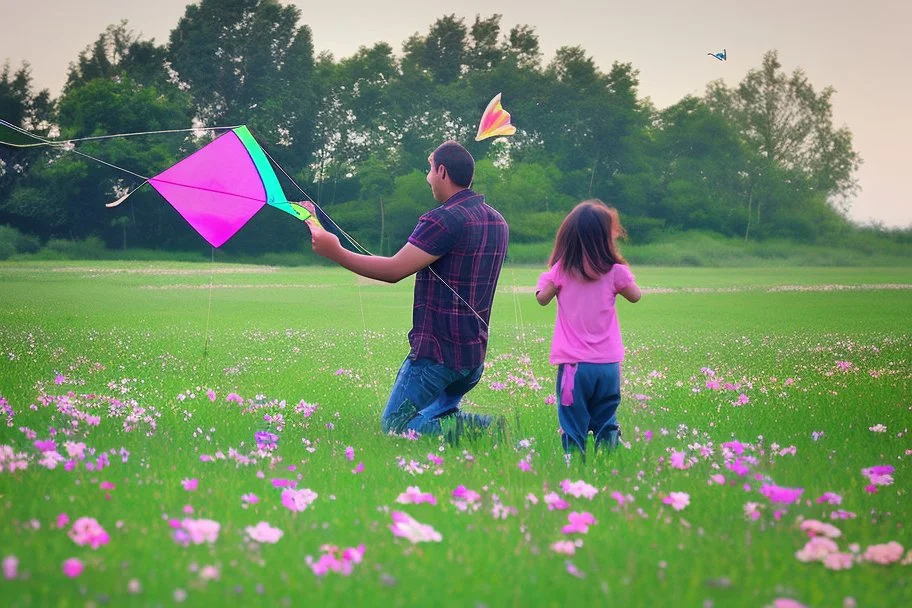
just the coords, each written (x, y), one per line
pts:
(586, 274)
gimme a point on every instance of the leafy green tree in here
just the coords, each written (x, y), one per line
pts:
(485, 50)
(446, 49)
(20, 105)
(248, 62)
(787, 129)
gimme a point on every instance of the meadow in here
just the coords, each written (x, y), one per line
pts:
(208, 433)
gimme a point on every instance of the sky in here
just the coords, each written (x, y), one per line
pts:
(861, 49)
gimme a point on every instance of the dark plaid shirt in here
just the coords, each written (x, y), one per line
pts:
(471, 239)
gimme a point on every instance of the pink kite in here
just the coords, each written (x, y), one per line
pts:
(222, 185)
(216, 190)
(495, 121)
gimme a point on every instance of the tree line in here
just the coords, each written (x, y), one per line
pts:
(761, 159)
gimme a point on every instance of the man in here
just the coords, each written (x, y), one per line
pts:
(457, 251)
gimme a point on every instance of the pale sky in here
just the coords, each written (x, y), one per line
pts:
(861, 49)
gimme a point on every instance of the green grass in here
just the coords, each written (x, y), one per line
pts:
(146, 333)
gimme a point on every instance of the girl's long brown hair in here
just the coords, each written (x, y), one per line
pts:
(586, 240)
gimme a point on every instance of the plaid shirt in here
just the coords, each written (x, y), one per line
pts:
(471, 239)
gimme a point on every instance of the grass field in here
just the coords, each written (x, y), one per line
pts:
(131, 394)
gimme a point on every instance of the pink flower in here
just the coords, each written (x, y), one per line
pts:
(87, 531)
(648, 436)
(249, 499)
(190, 485)
(524, 465)
(263, 533)
(677, 500)
(736, 447)
(621, 499)
(838, 561)
(73, 567)
(842, 514)
(884, 554)
(406, 527)
(565, 547)
(555, 502)
(199, 531)
(211, 394)
(718, 478)
(816, 549)
(579, 523)
(350, 453)
(298, 500)
(818, 528)
(414, 495)
(359, 468)
(829, 498)
(578, 489)
(677, 460)
(331, 562)
(741, 400)
(210, 573)
(62, 520)
(572, 570)
(781, 495)
(880, 475)
(435, 459)
(737, 467)
(10, 567)
(45, 445)
(752, 511)
(787, 602)
(465, 499)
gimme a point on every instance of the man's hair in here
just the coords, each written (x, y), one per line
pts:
(460, 165)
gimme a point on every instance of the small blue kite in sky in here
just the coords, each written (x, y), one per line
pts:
(720, 56)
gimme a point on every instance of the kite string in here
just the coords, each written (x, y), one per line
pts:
(364, 249)
(61, 142)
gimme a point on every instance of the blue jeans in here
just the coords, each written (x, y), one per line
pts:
(596, 396)
(426, 392)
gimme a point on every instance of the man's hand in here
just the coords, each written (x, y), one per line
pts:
(325, 244)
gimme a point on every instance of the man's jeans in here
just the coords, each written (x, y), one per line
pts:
(426, 392)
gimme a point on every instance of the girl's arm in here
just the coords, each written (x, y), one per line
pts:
(631, 292)
(545, 295)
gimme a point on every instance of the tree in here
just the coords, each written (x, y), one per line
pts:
(700, 156)
(787, 129)
(20, 105)
(485, 52)
(248, 62)
(445, 49)
(523, 48)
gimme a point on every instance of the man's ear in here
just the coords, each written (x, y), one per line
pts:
(441, 170)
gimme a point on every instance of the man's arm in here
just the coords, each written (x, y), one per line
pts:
(406, 262)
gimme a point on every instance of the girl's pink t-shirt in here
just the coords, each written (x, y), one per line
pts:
(586, 329)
